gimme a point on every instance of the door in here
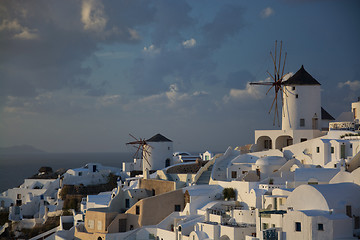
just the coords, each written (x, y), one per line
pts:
(342, 151)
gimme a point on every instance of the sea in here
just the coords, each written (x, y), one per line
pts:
(14, 168)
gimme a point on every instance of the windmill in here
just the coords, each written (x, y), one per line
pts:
(142, 149)
(277, 80)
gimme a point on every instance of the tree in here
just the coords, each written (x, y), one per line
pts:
(229, 193)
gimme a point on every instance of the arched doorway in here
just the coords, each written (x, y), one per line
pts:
(264, 142)
(283, 141)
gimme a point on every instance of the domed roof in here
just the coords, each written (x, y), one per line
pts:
(271, 160)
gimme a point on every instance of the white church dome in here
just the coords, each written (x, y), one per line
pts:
(271, 160)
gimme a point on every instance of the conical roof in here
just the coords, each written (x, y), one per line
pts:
(301, 77)
(158, 138)
(325, 115)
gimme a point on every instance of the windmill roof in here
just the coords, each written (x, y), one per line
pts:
(325, 115)
(158, 138)
(301, 77)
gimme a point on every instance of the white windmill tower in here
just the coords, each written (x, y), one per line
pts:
(155, 152)
(302, 102)
(142, 149)
(161, 152)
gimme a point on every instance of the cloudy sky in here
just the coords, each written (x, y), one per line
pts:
(79, 76)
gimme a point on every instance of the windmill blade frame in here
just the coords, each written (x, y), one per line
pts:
(277, 80)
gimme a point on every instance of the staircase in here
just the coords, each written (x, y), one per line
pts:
(205, 177)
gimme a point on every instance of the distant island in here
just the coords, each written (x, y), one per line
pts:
(20, 149)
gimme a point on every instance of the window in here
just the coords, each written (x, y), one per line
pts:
(302, 122)
(348, 210)
(317, 149)
(99, 225)
(293, 88)
(356, 222)
(233, 174)
(297, 95)
(303, 139)
(18, 196)
(153, 192)
(137, 210)
(122, 225)
(80, 174)
(332, 149)
(273, 225)
(127, 203)
(265, 226)
(91, 224)
(350, 145)
(267, 144)
(18, 202)
(321, 227)
(177, 208)
(167, 162)
(298, 226)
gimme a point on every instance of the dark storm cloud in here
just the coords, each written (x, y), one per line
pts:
(44, 44)
(191, 59)
(171, 17)
(228, 22)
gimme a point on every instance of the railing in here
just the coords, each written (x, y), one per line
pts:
(204, 168)
(342, 126)
(3, 228)
(45, 234)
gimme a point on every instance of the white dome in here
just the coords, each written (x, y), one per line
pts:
(271, 160)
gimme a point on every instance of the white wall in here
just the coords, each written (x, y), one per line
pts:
(244, 216)
(305, 106)
(242, 189)
(159, 152)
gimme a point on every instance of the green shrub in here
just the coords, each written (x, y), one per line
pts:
(229, 193)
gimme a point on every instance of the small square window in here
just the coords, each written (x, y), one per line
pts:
(317, 149)
(293, 88)
(297, 95)
(177, 208)
(298, 226)
(233, 174)
(99, 225)
(321, 227)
